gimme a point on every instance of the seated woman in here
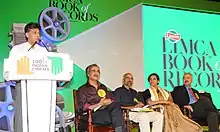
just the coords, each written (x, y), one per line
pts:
(175, 121)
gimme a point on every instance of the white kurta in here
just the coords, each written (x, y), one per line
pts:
(17, 50)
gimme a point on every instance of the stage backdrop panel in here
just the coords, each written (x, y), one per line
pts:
(115, 45)
(178, 41)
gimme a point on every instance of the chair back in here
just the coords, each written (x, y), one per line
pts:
(76, 110)
(140, 97)
(205, 95)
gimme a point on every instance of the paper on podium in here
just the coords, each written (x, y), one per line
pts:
(146, 108)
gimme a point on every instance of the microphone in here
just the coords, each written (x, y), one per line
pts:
(32, 46)
(42, 42)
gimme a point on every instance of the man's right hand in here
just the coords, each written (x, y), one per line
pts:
(189, 107)
(139, 105)
(105, 101)
(164, 102)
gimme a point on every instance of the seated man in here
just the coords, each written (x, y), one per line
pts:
(186, 97)
(127, 96)
(93, 94)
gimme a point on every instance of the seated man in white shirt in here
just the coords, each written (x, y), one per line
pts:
(126, 96)
(32, 34)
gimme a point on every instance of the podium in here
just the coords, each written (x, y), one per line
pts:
(38, 75)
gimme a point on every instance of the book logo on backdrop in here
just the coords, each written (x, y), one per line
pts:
(76, 10)
(193, 55)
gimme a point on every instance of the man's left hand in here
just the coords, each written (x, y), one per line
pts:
(107, 101)
(139, 105)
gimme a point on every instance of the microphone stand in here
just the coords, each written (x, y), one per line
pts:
(45, 47)
(36, 43)
(32, 46)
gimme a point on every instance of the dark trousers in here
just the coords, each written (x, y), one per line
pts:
(107, 115)
(111, 114)
(204, 109)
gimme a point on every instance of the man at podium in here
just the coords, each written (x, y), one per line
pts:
(32, 34)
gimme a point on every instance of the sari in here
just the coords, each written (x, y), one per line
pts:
(174, 120)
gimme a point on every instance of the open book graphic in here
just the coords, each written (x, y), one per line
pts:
(146, 108)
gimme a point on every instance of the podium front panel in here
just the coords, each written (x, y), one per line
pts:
(38, 105)
(52, 66)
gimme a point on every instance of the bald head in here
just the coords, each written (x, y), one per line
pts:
(128, 80)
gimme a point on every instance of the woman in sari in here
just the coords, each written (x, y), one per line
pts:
(174, 120)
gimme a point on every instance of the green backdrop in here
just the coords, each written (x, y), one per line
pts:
(196, 49)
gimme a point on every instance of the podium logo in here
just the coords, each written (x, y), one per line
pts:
(23, 66)
(56, 65)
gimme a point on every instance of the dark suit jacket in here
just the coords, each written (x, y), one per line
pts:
(181, 96)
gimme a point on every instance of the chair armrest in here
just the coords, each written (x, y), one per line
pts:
(187, 112)
(89, 112)
(90, 126)
(158, 108)
(125, 113)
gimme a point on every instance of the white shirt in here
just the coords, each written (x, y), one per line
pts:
(24, 47)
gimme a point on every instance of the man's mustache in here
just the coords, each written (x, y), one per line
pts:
(96, 75)
(186, 81)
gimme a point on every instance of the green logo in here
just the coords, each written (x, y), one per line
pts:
(57, 65)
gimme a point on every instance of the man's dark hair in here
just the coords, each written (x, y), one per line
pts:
(30, 26)
(153, 74)
(88, 68)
